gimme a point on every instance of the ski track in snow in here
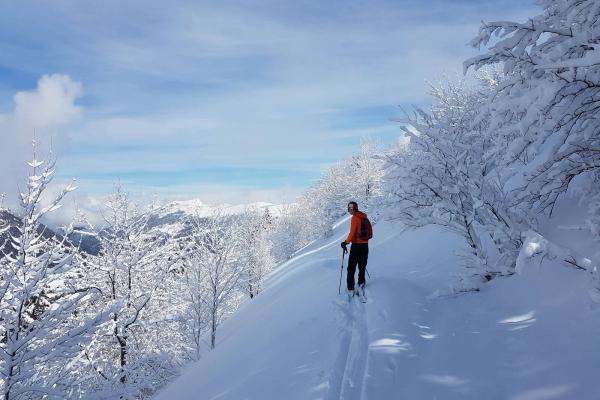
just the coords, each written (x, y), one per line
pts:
(348, 377)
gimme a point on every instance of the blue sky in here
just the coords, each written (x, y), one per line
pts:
(224, 101)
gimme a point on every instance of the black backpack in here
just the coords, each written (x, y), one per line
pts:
(366, 231)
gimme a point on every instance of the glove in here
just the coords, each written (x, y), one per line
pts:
(344, 244)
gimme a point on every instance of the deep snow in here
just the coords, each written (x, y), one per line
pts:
(532, 336)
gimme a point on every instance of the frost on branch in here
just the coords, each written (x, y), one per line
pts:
(42, 302)
(131, 270)
(550, 99)
(446, 175)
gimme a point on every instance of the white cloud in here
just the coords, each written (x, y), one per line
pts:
(73, 205)
(216, 194)
(190, 85)
(51, 104)
(39, 113)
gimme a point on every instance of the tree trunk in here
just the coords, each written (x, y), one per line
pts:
(213, 332)
(8, 384)
(122, 356)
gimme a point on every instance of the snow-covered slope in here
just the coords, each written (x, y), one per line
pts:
(532, 336)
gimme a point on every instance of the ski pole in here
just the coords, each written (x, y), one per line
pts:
(368, 274)
(341, 272)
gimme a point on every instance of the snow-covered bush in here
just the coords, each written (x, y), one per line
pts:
(445, 174)
(487, 160)
(548, 105)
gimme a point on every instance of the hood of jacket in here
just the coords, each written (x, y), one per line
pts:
(360, 214)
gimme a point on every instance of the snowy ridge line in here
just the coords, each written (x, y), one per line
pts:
(282, 269)
(197, 207)
(342, 221)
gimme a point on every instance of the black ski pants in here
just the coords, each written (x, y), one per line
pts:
(359, 253)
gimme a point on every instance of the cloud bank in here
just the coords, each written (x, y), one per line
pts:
(202, 92)
(39, 115)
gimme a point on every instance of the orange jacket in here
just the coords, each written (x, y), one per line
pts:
(353, 235)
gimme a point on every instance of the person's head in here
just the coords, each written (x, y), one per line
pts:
(352, 207)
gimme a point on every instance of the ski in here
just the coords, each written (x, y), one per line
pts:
(350, 296)
(362, 295)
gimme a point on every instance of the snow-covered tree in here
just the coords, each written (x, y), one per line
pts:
(357, 179)
(324, 203)
(287, 232)
(445, 175)
(194, 316)
(213, 270)
(256, 255)
(547, 107)
(593, 220)
(42, 302)
(130, 269)
(367, 172)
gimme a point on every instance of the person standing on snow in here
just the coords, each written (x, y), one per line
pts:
(359, 235)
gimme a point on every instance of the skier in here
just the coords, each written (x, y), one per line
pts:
(359, 235)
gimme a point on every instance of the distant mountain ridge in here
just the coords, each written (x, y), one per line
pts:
(171, 218)
(87, 243)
